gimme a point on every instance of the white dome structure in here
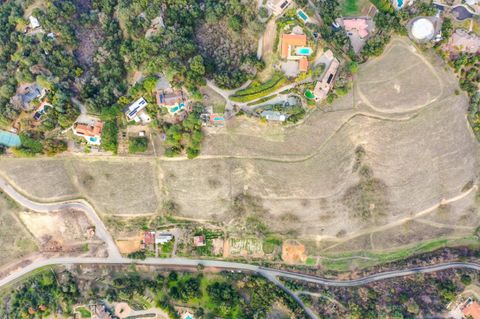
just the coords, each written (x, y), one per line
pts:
(423, 29)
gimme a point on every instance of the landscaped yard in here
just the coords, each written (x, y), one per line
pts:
(258, 90)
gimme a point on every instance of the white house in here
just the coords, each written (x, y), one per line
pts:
(34, 22)
(161, 239)
(136, 111)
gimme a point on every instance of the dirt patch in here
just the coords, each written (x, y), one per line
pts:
(293, 252)
(129, 245)
(57, 231)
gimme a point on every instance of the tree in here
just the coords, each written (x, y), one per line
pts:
(196, 65)
(235, 23)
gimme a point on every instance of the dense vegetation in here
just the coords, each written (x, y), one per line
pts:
(210, 296)
(423, 296)
(89, 49)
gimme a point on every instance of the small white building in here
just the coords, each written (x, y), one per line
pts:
(273, 116)
(161, 239)
(136, 111)
(34, 22)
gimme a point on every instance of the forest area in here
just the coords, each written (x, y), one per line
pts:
(89, 49)
(208, 296)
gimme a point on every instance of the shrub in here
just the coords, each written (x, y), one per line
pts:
(137, 145)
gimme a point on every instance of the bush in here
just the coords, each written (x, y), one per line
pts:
(137, 145)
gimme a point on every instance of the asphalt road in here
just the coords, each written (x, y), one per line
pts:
(234, 266)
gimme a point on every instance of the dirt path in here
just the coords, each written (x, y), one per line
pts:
(397, 222)
(269, 38)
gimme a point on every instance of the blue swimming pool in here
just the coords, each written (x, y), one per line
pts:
(93, 139)
(302, 15)
(177, 108)
(304, 51)
(399, 4)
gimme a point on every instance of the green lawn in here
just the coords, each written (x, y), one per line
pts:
(84, 313)
(340, 263)
(352, 7)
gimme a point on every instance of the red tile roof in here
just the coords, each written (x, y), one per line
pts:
(472, 309)
(289, 40)
(303, 64)
(89, 130)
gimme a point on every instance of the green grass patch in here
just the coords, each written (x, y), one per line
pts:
(84, 313)
(137, 145)
(311, 261)
(258, 90)
(219, 108)
(342, 262)
(166, 249)
(352, 7)
(270, 243)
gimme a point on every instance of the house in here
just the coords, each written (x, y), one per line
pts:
(274, 116)
(323, 86)
(149, 238)
(136, 111)
(294, 49)
(199, 241)
(33, 22)
(161, 239)
(278, 6)
(358, 26)
(471, 309)
(291, 41)
(26, 94)
(173, 100)
(91, 131)
(303, 64)
(462, 41)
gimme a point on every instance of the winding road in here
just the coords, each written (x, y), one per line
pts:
(100, 229)
(115, 258)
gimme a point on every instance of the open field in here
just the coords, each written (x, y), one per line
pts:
(367, 173)
(43, 179)
(15, 240)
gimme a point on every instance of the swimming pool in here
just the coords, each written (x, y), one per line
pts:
(302, 15)
(304, 51)
(399, 4)
(177, 108)
(93, 139)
